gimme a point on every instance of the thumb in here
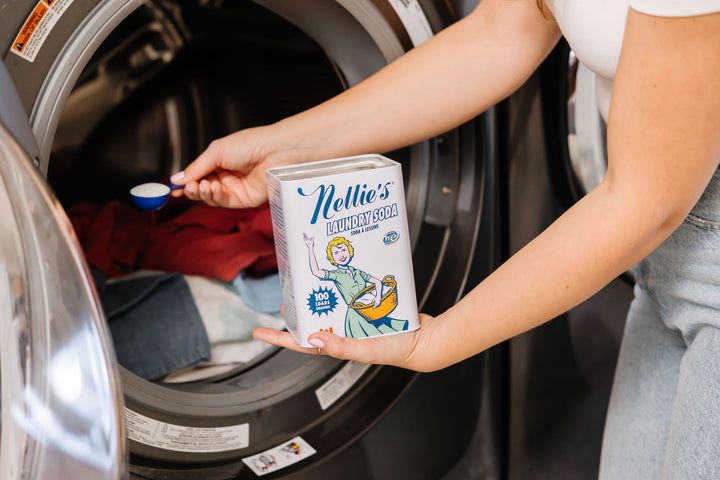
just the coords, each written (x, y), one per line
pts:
(203, 165)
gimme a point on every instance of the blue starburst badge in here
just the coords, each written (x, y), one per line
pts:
(322, 301)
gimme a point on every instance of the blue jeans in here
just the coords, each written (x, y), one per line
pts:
(663, 421)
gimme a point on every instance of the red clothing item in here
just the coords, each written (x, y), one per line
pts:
(202, 240)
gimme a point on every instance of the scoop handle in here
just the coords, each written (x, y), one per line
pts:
(174, 187)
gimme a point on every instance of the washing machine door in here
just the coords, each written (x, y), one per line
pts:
(60, 398)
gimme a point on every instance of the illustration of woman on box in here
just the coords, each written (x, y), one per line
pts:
(362, 320)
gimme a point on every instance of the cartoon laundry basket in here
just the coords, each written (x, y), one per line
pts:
(387, 304)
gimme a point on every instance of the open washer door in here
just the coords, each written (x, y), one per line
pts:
(98, 57)
(61, 403)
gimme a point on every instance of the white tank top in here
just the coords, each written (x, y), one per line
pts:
(594, 30)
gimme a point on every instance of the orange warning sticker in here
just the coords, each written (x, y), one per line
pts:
(31, 24)
(37, 27)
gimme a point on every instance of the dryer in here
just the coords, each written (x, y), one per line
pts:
(104, 86)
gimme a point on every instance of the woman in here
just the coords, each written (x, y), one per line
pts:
(350, 281)
(658, 65)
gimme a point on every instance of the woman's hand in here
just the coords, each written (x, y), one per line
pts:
(399, 350)
(231, 171)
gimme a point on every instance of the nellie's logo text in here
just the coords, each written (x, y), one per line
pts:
(328, 204)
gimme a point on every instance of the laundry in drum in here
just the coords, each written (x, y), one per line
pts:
(153, 195)
(343, 247)
(183, 291)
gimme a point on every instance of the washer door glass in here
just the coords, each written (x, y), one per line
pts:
(60, 399)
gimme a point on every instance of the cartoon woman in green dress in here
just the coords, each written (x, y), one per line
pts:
(350, 281)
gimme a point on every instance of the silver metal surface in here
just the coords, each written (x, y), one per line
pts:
(68, 67)
(61, 398)
(586, 128)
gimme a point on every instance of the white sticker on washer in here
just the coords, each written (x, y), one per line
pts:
(340, 383)
(414, 20)
(37, 27)
(284, 455)
(181, 438)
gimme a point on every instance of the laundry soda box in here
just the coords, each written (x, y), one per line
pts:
(343, 248)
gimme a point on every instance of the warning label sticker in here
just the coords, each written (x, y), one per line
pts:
(37, 27)
(181, 438)
(330, 391)
(285, 454)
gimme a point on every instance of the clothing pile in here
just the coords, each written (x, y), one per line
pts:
(182, 288)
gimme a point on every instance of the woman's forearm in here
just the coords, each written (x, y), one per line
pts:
(442, 83)
(663, 149)
(433, 88)
(592, 243)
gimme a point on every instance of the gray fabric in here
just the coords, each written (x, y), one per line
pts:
(663, 421)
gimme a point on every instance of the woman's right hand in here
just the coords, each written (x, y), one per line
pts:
(231, 171)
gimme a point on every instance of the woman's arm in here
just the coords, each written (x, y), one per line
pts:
(459, 73)
(663, 147)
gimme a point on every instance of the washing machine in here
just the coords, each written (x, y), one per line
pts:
(559, 374)
(99, 95)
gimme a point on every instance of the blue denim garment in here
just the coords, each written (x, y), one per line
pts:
(155, 325)
(664, 416)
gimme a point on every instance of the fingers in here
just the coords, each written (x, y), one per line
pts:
(216, 190)
(325, 343)
(385, 350)
(281, 339)
(365, 350)
(201, 178)
(226, 188)
(206, 163)
(208, 190)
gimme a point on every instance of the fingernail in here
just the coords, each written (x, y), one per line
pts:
(177, 177)
(316, 342)
(202, 190)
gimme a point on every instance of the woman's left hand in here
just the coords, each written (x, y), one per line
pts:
(399, 350)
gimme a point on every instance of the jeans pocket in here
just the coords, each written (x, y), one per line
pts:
(700, 222)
